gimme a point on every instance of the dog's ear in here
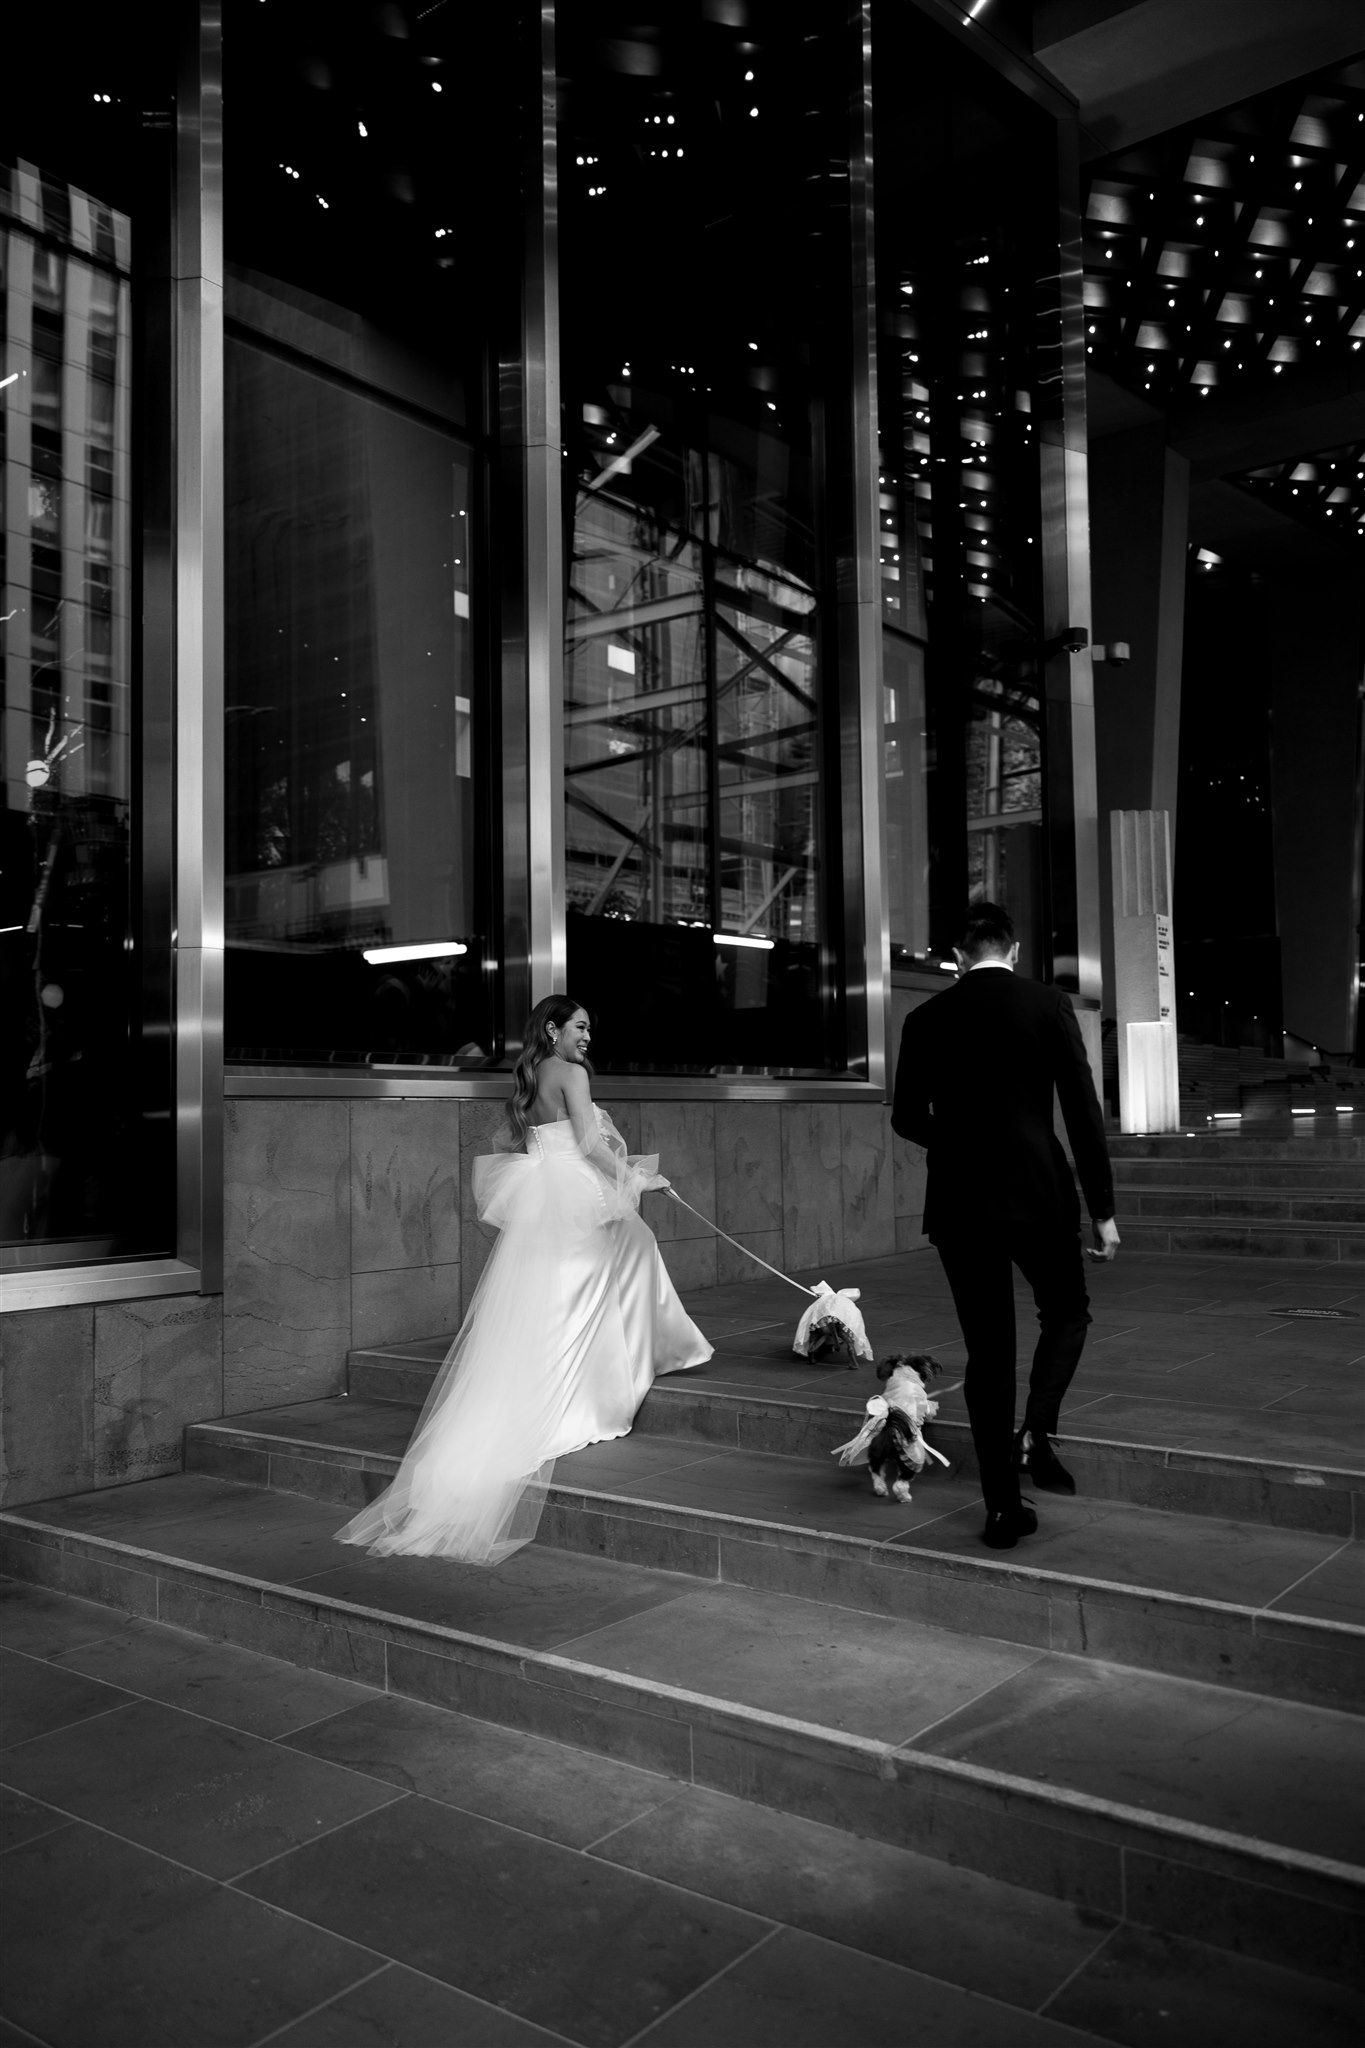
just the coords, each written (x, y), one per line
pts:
(925, 1366)
(888, 1365)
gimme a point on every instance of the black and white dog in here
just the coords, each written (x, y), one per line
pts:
(891, 1441)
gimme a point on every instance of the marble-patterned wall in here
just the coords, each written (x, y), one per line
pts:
(353, 1225)
(350, 1224)
(97, 1395)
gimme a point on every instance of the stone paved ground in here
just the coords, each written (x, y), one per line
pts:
(204, 1846)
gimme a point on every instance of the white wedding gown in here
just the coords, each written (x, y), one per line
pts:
(572, 1320)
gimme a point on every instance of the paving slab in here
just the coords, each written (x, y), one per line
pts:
(592, 1952)
(398, 2008)
(873, 1897)
(539, 1599)
(1170, 1745)
(545, 1788)
(798, 1991)
(211, 1798)
(37, 1699)
(237, 1687)
(1149, 1990)
(857, 1673)
(110, 1946)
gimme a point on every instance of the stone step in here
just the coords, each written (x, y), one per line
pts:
(1275, 1611)
(1332, 1206)
(1212, 1236)
(1174, 1804)
(1307, 1493)
(1306, 1143)
(1342, 1176)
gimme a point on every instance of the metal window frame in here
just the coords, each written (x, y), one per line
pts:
(182, 822)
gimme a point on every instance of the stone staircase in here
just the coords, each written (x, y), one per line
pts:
(1278, 1192)
(1149, 1711)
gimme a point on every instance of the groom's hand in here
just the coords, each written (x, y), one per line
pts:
(1106, 1235)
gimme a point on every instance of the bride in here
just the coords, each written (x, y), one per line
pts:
(573, 1318)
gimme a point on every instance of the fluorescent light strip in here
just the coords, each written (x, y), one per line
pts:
(741, 939)
(1303, 1112)
(1227, 1116)
(433, 949)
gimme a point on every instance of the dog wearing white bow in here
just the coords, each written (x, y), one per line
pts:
(832, 1327)
(891, 1441)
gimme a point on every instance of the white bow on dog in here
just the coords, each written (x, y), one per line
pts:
(854, 1452)
(829, 1307)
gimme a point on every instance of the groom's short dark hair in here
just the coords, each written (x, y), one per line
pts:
(989, 929)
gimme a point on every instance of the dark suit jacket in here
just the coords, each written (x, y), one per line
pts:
(974, 1084)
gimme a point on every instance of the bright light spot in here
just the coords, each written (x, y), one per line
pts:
(434, 949)
(753, 113)
(361, 126)
(436, 85)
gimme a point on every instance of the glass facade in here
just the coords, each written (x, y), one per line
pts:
(704, 198)
(969, 381)
(630, 541)
(85, 1163)
(359, 261)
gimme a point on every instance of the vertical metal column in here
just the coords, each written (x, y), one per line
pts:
(197, 575)
(543, 458)
(867, 932)
(1072, 795)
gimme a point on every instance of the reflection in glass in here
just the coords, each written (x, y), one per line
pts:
(907, 823)
(968, 367)
(1005, 780)
(355, 722)
(697, 698)
(81, 1165)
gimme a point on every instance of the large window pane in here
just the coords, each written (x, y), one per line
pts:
(969, 374)
(359, 924)
(703, 259)
(85, 1156)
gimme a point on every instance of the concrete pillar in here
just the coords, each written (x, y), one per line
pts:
(1144, 970)
(1139, 534)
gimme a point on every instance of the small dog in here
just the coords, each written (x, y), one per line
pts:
(891, 1441)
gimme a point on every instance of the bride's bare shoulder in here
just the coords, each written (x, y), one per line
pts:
(562, 1086)
(575, 1084)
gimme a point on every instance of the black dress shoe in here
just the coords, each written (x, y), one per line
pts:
(1004, 1526)
(1035, 1455)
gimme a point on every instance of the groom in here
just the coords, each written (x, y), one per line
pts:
(974, 1083)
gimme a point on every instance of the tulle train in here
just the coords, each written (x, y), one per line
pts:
(572, 1319)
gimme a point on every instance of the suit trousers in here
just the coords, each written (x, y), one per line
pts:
(980, 1273)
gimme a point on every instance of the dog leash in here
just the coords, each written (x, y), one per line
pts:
(813, 1292)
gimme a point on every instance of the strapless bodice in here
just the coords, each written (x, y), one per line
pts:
(548, 1140)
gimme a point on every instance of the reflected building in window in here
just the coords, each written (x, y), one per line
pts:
(73, 1120)
(505, 500)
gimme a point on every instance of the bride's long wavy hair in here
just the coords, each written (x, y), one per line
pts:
(536, 1045)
